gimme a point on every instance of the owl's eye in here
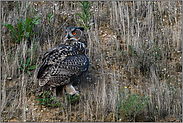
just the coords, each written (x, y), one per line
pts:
(65, 33)
(74, 33)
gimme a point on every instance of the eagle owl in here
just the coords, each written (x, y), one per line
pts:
(63, 64)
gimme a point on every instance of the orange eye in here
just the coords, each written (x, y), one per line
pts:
(74, 33)
(66, 33)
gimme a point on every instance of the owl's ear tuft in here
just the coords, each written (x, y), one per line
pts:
(81, 28)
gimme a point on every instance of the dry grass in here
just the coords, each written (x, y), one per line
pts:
(132, 44)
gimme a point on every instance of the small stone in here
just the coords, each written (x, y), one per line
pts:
(9, 78)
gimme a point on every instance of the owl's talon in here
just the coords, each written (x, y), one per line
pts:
(77, 93)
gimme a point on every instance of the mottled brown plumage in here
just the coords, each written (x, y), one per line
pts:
(64, 63)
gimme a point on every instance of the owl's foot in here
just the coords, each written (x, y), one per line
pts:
(71, 90)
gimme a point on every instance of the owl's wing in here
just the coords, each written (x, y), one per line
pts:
(53, 64)
(67, 70)
(76, 64)
(44, 65)
(49, 52)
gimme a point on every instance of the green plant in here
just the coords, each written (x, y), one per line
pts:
(57, 103)
(132, 50)
(130, 104)
(46, 100)
(27, 65)
(50, 18)
(72, 98)
(85, 13)
(23, 29)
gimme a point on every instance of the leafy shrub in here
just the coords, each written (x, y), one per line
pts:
(72, 98)
(130, 104)
(23, 29)
(85, 13)
(46, 100)
(27, 65)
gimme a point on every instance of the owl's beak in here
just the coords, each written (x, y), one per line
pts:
(68, 36)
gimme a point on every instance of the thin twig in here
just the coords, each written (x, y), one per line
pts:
(43, 9)
(25, 9)
(64, 23)
(3, 105)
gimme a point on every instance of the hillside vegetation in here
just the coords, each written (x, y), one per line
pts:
(135, 53)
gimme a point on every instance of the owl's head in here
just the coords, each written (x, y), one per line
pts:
(74, 34)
